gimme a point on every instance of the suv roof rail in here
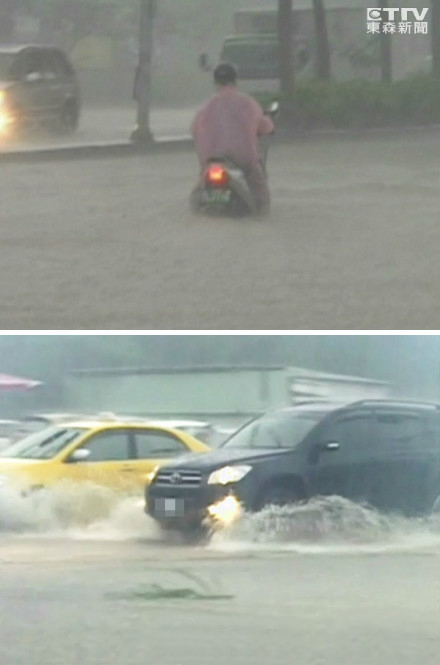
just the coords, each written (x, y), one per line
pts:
(405, 402)
(317, 400)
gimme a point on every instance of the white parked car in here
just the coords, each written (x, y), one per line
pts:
(8, 429)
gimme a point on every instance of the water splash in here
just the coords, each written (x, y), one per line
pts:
(328, 524)
(71, 511)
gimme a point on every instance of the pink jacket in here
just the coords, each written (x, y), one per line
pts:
(228, 126)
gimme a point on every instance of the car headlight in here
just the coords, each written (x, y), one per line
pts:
(152, 475)
(228, 474)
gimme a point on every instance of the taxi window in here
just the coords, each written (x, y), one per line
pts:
(158, 444)
(108, 446)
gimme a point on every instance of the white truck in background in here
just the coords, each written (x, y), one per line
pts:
(253, 47)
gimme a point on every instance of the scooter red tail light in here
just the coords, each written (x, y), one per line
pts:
(216, 175)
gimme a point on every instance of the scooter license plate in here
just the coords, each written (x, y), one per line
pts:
(221, 196)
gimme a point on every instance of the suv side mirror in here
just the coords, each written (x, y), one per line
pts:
(204, 62)
(79, 455)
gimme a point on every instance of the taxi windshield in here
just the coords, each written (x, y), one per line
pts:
(43, 445)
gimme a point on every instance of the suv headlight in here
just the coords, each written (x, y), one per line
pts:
(152, 475)
(228, 474)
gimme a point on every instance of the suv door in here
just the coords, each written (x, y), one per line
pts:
(54, 84)
(340, 458)
(408, 453)
(31, 90)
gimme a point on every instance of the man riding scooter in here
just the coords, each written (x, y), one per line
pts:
(228, 126)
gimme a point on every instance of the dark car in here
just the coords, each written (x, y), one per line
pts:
(38, 86)
(383, 453)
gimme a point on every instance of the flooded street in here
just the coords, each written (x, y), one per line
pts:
(111, 243)
(356, 588)
(105, 126)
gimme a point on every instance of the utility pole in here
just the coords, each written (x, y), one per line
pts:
(322, 43)
(286, 51)
(142, 133)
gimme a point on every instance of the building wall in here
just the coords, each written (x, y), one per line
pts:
(210, 394)
(171, 393)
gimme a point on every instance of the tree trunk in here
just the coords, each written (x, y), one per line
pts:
(435, 37)
(286, 52)
(323, 62)
(7, 24)
(142, 133)
(386, 62)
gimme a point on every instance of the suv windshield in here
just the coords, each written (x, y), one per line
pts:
(6, 60)
(43, 445)
(275, 430)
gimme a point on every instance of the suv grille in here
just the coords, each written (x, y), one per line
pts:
(178, 477)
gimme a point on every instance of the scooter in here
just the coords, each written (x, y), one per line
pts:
(224, 190)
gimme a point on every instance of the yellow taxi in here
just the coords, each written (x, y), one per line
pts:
(118, 454)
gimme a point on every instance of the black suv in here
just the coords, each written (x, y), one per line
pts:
(38, 86)
(383, 453)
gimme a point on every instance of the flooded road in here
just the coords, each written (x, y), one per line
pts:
(105, 126)
(111, 243)
(352, 589)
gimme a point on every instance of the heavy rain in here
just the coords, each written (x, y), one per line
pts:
(86, 576)
(97, 164)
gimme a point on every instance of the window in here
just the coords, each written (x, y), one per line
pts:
(108, 446)
(158, 444)
(352, 432)
(254, 59)
(32, 63)
(49, 65)
(61, 64)
(283, 429)
(45, 444)
(399, 430)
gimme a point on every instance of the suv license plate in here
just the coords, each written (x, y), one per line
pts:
(169, 507)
